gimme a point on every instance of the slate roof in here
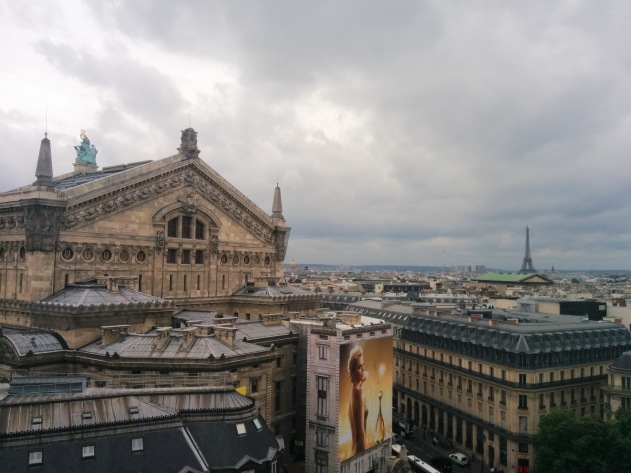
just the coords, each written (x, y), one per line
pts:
(535, 333)
(282, 290)
(70, 412)
(34, 340)
(86, 294)
(255, 446)
(182, 429)
(622, 363)
(140, 345)
(111, 454)
(87, 177)
(253, 330)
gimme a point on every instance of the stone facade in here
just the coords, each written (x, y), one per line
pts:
(175, 224)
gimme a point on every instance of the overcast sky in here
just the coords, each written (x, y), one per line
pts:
(401, 132)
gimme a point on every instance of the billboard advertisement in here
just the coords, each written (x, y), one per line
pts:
(365, 395)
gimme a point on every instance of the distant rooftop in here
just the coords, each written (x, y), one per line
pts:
(515, 278)
(273, 290)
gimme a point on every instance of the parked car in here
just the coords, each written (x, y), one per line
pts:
(459, 459)
(442, 463)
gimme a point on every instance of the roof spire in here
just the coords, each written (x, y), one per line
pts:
(44, 171)
(277, 205)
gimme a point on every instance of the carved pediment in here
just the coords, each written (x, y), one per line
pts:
(195, 186)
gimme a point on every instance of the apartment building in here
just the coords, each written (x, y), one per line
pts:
(482, 379)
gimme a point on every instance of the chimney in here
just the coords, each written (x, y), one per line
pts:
(226, 334)
(493, 322)
(271, 319)
(162, 338)
(512, 321)
(474, 317)
(188, 338)
(111, 333)
(204, 329)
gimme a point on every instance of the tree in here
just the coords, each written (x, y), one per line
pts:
(566, 443)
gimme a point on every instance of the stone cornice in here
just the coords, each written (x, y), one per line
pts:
(80, 213)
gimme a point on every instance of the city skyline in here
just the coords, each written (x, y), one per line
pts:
(407, 133)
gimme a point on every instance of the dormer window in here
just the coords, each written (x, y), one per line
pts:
(241, 428)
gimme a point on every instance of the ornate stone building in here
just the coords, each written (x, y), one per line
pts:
(175, 224)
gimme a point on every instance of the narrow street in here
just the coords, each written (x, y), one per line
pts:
(425, 450)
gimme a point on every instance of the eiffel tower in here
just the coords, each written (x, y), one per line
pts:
(526, 266)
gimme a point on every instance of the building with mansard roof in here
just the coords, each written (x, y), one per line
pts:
(482, 379)
(57, 423)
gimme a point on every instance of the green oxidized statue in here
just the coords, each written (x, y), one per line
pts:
(86, 153)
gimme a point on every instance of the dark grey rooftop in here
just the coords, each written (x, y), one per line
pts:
(68, 411)
(189, 421)
(622, 363)
(281, 290)
(26, 340)
(91, 293)
(252, 330)
(87, 177)
(512, 331)
(140, 345)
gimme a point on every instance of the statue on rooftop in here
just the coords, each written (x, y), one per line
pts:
(86, 153)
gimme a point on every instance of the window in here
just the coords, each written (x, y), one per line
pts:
(522, 379)
(254, 386)
(257, 423)
(323, 389)
(503, 397)
(273, 466)
(323, 352)
(523, 447)
(523, 424)
(322, 439)
(523, 401)
(480, 389)
(199, 256)
(240, 428)
(137, 445)
(542, 402)
(186, 226)
(278, 362)
(35, 458)
(277, 394)
(321, 464)
(552, 401)
(491, 393)
(186, 256)
(87, 451)
(199, 230)
(172, 227)
(171, 256)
